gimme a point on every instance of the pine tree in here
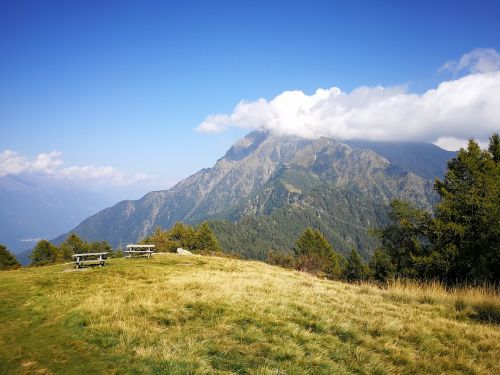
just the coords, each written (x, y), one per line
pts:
(494, 147)
(7, 259)
(462, 241)
(43, 253)
(355, 270)
(467, 222)
(316, 255)
(381, 266)
(178, 236)
(312, 242)
(404, 238)
(206, 240)
(76, 244)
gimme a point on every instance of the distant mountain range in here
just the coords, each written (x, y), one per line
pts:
(37, 206)
(268, 188)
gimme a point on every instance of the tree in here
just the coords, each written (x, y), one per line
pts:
(312, 242)
(494, 147)
(43, 253)
(181, 235)
(76, 244)
(404, 238)
(7, 259)
(381, 266)
(205, 239)
(100, 247)
(355, 270)
(160, 239)
(73, 244)
(467, 226)
(315, 254)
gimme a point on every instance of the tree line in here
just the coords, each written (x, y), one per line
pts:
(45, 252)
(314, 254)
(199, 239)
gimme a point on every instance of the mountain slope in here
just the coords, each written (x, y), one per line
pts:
(263, 173)
(34, 206)
(343, 216)
(424, 159)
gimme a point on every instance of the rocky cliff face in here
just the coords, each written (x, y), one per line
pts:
(258, 175)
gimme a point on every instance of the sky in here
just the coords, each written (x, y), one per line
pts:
(136, 95)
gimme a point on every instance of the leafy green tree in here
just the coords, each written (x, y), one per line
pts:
(316, 255)
(7, 259)
(43, 253)
(355, 270)
(205, 239)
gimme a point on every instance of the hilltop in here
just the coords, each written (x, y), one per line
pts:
(203, 315)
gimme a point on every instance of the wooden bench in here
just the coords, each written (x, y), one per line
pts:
(139, 250)
(90, 258)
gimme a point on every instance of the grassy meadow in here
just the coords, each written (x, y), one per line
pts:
(207, 315)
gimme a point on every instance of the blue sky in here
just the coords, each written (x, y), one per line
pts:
(124, 84)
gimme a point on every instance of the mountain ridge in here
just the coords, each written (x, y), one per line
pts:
(259, 174)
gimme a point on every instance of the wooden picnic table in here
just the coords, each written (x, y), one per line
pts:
(140, 250)
(90, 258)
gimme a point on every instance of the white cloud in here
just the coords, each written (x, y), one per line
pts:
(13, 163)
(480, 60)
(462, 108)
(454, 144)
(105, 174)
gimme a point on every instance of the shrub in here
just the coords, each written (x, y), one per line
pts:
(7, 259)
(487, 312)
(278, 258)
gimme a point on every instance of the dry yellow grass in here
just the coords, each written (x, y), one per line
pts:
(204, 315)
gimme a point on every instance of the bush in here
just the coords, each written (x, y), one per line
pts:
(487, 312)
(7, 259)
(278, 258)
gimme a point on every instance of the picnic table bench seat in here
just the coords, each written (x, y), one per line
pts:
(139, 250)
(90, 258)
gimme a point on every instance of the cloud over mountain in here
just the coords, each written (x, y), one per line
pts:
(455, 110)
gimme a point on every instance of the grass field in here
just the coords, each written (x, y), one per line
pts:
(202, 315)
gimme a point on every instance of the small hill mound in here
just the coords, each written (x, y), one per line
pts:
(203, 315)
